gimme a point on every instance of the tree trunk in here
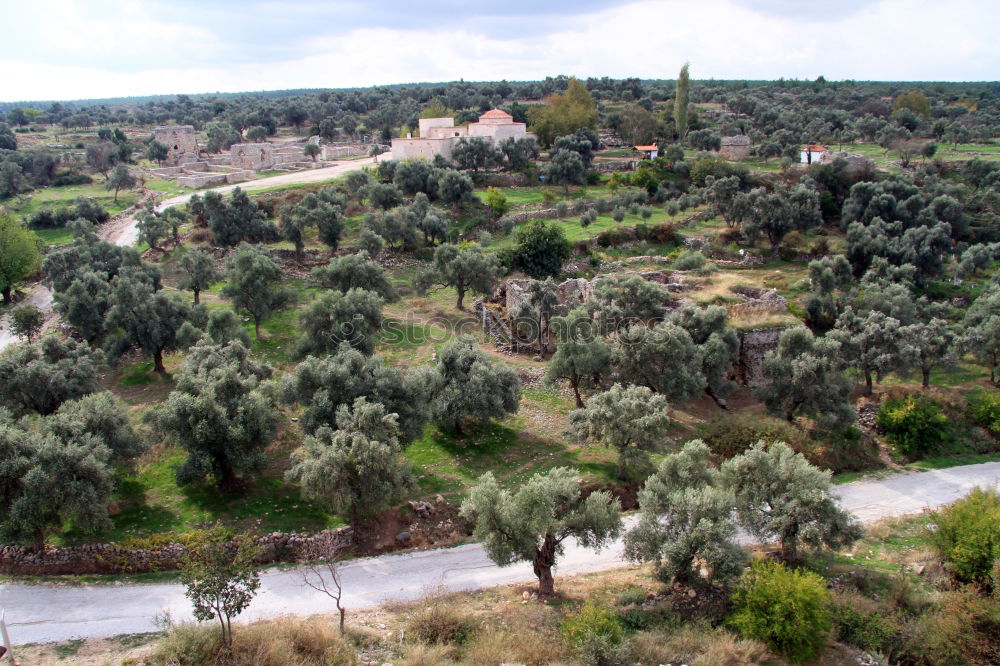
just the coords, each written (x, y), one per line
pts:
(343, 612)
(228, 482)
(461, 295)
(458, 427)
(868, 382)
(926, 372)
(621, 465)
(576, 393)
(7, 295)
(158, 362)
(197, 296)
(256, 328)
(545, 557)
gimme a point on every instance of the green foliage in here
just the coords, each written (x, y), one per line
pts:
(357, 469)
(967, 536)
(40, 377)
(789, 610)
(984, 408)
(582, 356)
(354, 317)
(732, 434)
(197, 272)
(564, 113)
(916, 424)
(531, 523)
(26, 322)
(238, 218)
(120, 179)
(805, 376)
(219, 413)
(466, 268)
(663, 358)
(779, 495)
(681, 102)
(631, 419)
(565, 168)
(497, 201)
(352, 271)
(323, 385)
(870, 342)
(19, 255)
(690, 260)
(982, 330)
(686, 516)
(467, 385)
(621, 301)
(101, 416)
(718, 345)
(592, 620)
(220, 583)
(253, 282)
(144, 319)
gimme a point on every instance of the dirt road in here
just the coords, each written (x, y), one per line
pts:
(43, 613)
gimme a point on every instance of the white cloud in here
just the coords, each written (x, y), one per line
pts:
(881, 40)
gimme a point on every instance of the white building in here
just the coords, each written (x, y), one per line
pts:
(438, 136)
(813, 153)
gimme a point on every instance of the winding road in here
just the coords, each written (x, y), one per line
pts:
(124, 232)
(43, 613)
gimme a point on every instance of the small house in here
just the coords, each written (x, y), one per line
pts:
(813, 153)
(648, 152)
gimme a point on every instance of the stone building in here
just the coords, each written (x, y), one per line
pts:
(813, 153)
(252, 156)
(735, 147)
(182, 146)
(438, 136)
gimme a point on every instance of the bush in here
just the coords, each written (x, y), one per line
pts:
(440, 623)
(733, 434)
(71, 178)
(862, 622)
(915, 424)
(984, 410)
(968, 537)
(690, 260)
(618, 214)
(788, 610)
(562, 209)
(964, 630)
(592, 620)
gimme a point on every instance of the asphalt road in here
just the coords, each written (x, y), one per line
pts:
(44, 613)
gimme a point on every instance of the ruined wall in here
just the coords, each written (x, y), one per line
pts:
(180, 142)
(735, 147)
(410, 149)
(754, 344)
(252, 156)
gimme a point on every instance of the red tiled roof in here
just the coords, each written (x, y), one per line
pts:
(495, 113)
(816, 148)
(650, 147)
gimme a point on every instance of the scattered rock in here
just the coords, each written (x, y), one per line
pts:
(403, 537)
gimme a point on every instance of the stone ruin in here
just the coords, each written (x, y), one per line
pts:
(181, 143)
(496, 314)
(736, 147)
(855, 163)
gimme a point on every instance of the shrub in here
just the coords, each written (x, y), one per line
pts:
(788, 610)
(862, 623)
(618, 214)
(690, 260)
(579, 206)
(497, 201)
(964, 630)
(968, 537)
(592, 177)
(71, 178)
(733, 434)
(562, 209)
(441, 623)
(592, 620)
(984, 409)
(915, 424)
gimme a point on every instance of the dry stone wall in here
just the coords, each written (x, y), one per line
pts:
(754, 345)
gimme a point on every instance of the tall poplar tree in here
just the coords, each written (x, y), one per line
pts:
(681, 102)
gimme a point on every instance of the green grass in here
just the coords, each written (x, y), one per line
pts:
(57, 236)
(60, 197)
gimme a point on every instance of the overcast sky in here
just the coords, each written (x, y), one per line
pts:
(70, 49)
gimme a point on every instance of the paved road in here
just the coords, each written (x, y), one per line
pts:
(41, 613)
(124, 232)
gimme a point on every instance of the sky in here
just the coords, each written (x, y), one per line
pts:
(72, 49)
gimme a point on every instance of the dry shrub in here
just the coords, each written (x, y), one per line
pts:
(532, 648)
(419, 654)
(677, 647)
(726, 649)
(200, 236)
(282, 642)
(440, 622)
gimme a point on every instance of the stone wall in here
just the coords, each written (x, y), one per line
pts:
(113, 559)
(754, 344)
(735, 147)
(252, 156)
(180, 142)
(615, 165)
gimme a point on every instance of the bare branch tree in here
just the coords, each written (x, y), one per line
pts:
(321, 570)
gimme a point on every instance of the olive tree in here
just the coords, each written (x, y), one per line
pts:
(982, 331)
(219, 412)
(354, 271)
(356, 470)
(323, 385)
(532, 523)
(253, 282)
(779, 495)
(686, 516)
(805, 376)
(19, 255)
(631, 419)
(464, 268)
(663, 359)
(718, 346)
(467, 385)
(870, 342)
(40, 377)
(582, 357)
(354, 317)
(26, 322)
(143, 319)
(197, 272)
